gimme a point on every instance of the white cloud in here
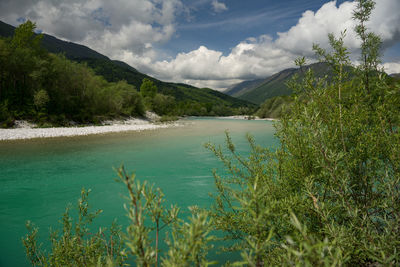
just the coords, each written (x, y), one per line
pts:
(330, 18)
(263, 56)
(392, 67)
(203, 67)
(107, 26)
(130, 30)
(315, 27)
(218, 6)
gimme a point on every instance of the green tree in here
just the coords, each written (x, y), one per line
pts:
(163, 104)
(148, 88)
(40, 99)
(25, 37)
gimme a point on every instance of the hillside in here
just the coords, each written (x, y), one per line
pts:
(114, 70)
(240, 88)
(395, 75)
(257, 91)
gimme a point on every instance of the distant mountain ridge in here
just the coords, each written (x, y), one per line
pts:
(259, 90)
(395, 75)
(56, 46)
(114, 70)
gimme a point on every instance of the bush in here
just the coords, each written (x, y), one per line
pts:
(40, 99)
(6, 118)
(188, 242)
(163, 104)
(76, 245)
(167, 118)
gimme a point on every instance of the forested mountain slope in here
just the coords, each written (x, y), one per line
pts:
(257, 91)
(114, 70)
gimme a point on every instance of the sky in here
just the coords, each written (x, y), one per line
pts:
(208, 43)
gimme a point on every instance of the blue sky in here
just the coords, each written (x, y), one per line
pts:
(242, 19)
(207, 43)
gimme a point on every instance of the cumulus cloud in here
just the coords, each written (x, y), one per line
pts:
(313, 27)
(130, 30)
(263, 56)
(107, 26)
(250, 59)
(392, 67)
(218, 6)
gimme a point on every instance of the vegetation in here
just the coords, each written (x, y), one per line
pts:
(275, 107)
(44, 87)
(76, 246)
(188, 242)
(189, 100)
(258, 91)
(172, 99)
(328, 196)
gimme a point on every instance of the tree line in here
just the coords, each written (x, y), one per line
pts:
(48, 88)
(51, 90)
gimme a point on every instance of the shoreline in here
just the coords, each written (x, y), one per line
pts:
(246, 117)
(27, 131)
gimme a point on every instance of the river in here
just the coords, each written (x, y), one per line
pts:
(39, 177)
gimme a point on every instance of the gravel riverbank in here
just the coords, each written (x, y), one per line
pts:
(26, 131)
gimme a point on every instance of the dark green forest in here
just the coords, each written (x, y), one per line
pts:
(52, 90)
(48, 88)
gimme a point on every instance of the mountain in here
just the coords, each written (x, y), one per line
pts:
(56, 46)
(395, 75)
(241, 88)
(257, 91)
(114, 70)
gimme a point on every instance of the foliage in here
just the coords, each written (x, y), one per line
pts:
(148, 88)
(75, 93)
(163, 104)
(6, 118)
(59, 89)
(185, 96)
(336, 170)
(188, 241)
(275, 107)
(40, 99)
(114, 71)
(167, 118)
(259, 91)
(76, 245)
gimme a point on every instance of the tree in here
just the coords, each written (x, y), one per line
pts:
(25, 37)
(40, 99)
(148, 88)
(163, 104)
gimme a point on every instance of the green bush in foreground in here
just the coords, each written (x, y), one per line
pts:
(328, 196)
(76, 246)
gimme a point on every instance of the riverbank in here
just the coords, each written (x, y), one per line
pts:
(26, 130)
(247, 117)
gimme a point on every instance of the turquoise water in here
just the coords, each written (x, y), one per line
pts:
(38, 178)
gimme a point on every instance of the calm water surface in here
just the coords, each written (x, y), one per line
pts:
(38, 178)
